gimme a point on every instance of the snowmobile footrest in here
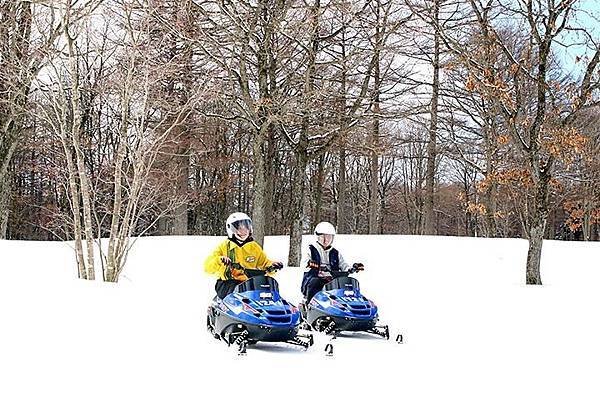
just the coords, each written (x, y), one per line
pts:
(382, 331)
(304, 341)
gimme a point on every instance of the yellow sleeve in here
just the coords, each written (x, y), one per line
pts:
(212, 264)
(262, 262)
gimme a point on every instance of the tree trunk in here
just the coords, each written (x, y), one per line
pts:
(180, 225)
(297, 209)
(112, 263)
(75, 207)
(374, 165)
(319, 190)
(586, 227)
(301, 149)
(342, 226)
(163, 226)
(260, 186)
(270, 36)
(5, 196)
(534, 253)
(15, 82)
(382, 211)
(428, 206)
(80, 160)
(180, 219)
(269, 181)
(7, 148)
(374, 187)
(537, 228)
(491, 227)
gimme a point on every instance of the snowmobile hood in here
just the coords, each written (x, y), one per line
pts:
(345, 303)
(261, 307)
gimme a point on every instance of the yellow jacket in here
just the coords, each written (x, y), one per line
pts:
(249, 255)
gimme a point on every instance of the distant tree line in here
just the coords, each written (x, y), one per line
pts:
(123, 118)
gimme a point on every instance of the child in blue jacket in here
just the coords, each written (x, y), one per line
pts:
(321, 259)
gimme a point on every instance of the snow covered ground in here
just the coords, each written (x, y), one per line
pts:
(470, 324)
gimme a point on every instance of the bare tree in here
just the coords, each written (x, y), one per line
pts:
(21, 57)
(140, 135)
(245, 42)
(304, 133)
(537, 126)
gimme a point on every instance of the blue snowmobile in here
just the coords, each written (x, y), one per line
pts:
(255, 312)
(340, 306)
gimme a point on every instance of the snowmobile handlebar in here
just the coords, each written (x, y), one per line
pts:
(252, 272)
(337, 274)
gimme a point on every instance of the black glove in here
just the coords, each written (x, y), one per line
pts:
(325, 275)
(358, 267)
(276, 265)
(313, 265)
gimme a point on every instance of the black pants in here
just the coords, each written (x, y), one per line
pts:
(225, 287)
(313, 286)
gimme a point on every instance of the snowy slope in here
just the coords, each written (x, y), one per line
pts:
(470, 325)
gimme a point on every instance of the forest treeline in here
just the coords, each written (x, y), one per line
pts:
(122, 118)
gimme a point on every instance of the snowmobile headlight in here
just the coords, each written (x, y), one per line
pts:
(248, 308)
(338, 305)
(324, 304)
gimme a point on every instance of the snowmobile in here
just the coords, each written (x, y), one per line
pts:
(340, 306)
(255, 312)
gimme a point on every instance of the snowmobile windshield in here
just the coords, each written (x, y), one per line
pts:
(344, 283)
(262, 283)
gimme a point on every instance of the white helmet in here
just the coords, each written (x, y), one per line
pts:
(325, 228)
(236, 219)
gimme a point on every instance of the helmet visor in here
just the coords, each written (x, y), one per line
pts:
(325, 239)
(242, 225)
